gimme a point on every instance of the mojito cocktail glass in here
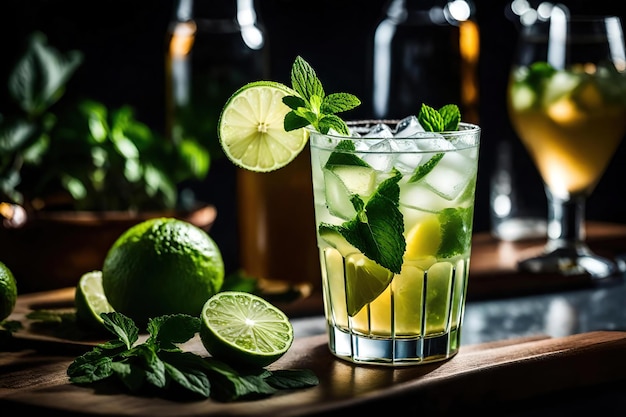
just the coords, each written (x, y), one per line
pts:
(392, 177)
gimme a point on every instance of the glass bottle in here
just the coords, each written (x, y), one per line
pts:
(213, 47)
(425, 51)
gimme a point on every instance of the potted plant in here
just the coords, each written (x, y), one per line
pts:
(74, 176)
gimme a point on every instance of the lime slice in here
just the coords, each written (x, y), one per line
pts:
(90, 300)
(251, 129)
(240, 327)
(365, 281)
(424, 238)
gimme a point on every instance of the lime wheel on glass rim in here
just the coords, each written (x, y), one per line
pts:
(251, 129)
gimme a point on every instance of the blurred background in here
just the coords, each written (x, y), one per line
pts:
(125, 46)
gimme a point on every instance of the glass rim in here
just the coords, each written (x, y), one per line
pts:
(574, 20)
(465, 128)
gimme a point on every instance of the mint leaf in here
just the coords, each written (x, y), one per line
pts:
(422, 170)
(345, 158)
(294, 102)
(171, 329)
(331, 121)
(430, 119)
(185, 368)
(456, 224)
(133, 377)
(292, 378)
(91, 367)
(305, 81)
(338, 102)
(293, 121)
(451, 117)
(121, 326)
(377, 229)
(312, 106)
(152, 364)
(161, 364)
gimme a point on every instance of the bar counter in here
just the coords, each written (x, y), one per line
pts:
(532, 345)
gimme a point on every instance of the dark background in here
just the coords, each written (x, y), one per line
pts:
(123, 42)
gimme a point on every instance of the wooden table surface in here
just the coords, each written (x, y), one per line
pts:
(497, 376)
(507, 375)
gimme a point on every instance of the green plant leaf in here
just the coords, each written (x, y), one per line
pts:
(160, 363)
(185, 369)
(312, 106)
(430, 119)
(451, 116)
(292, 378)
(339, 102)
(422, 170)
(168, 330)
(38, 79)
(123, 327)
(304, 80)
(133, 377)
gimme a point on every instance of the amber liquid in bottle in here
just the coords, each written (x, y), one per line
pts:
(277, 223)
(269, 217)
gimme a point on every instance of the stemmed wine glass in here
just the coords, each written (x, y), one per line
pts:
(567, 103)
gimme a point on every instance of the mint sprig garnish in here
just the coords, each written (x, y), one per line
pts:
(312, 106)
(445, 119)
(159, 366)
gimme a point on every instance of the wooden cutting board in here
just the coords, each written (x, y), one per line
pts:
(498, 373)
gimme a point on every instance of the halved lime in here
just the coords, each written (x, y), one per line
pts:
(8, 291)
(90, 300)
(251, 128)
(243, 328)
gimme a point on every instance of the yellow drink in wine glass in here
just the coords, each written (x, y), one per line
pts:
(571, 121)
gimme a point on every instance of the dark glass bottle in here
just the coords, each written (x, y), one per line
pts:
(425, 51)
(213, 47)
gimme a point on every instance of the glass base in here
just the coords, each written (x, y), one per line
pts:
(568, 261)
(362, 349)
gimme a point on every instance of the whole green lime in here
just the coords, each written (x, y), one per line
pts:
(8, 291)
(162, 266)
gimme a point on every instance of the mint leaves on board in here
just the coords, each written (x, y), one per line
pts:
(312, 106)
(159, 366)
